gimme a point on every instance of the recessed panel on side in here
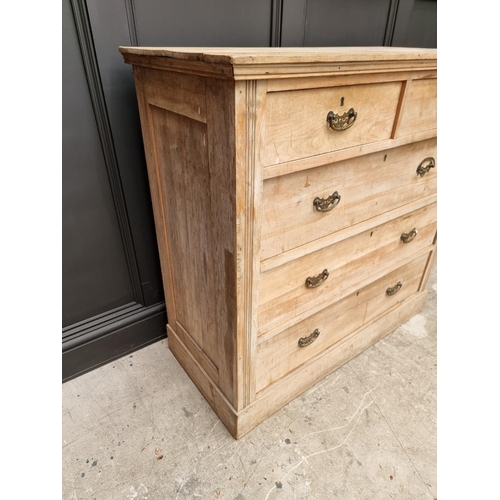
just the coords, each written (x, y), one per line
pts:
(182, 156)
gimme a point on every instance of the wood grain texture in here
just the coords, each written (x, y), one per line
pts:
(195, 175)
(368, 185)
(281, 354)
(348, 232)
(283, 293)
(277, 395)
(250, 98)
(296, 126)
(185, 183)
(420, 109)
(280, 63)
(205, 384)
(343, 154)
(171, 65)
(222, 226)
(237, 149)
(302, 83)
(154, 176)
(285, 55)
(181, 94)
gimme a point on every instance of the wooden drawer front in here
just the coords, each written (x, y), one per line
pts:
(281, 353)
(368, 186)
(295, 123)
(420, 108)
(283, 293)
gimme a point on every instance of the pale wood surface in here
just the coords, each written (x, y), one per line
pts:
(348, 232)
(181, 94)
(185, 177)
(250, 99)
(420, 107)
(280, 63)
(194, 182)
(275, 396)
(237, 148)
(205, 384)
(302, 83)
(378, 272)
(281, 354)
(368, 185)
(222, 257)
(343, 154)
(284, 295)
(296, 126)
(284, 55)
(154, 176)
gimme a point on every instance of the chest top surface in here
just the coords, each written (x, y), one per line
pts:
(267, 62)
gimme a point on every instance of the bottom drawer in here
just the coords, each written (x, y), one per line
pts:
(282, 353)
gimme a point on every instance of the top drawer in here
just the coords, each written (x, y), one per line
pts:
(296, 126)
(420, 107)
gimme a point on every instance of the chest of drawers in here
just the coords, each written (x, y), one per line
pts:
(294, 195)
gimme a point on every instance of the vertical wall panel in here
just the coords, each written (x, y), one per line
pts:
(335, 23)
(416, 24)
(94, 268)
(199, 23)
(349, 23)
(112, 26)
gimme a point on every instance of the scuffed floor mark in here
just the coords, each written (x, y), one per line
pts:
(359, 411)
(416, 326)
(134, 493)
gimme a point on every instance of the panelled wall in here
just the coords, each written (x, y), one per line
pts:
(112, 289)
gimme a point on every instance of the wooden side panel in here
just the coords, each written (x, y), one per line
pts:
(140, 77)
(420, 108)
(222, 226)
(188, 129)
(182, 151)
(202, 380)
(368, 185)
(296, 126)
(182, 94)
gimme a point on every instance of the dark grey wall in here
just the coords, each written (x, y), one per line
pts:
(198, 23)
(335, 22)
(112, 291)
(95, 273)
(401, 23)
(417, 24)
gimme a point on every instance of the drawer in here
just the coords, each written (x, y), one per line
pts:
(284, 293)
(420, 108)
(281, 353)
(368, 186)
(295, 122)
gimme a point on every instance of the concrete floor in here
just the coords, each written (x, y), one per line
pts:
(139, 429)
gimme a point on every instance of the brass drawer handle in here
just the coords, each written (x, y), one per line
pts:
(315, 281)
(341, 122)
(422, 170)
(393, 290)
(326, 204)
(408, 237)
(305, 341)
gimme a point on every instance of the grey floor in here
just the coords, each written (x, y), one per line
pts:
(139, 429)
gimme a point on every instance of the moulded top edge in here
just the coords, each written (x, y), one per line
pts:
(285, 55)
